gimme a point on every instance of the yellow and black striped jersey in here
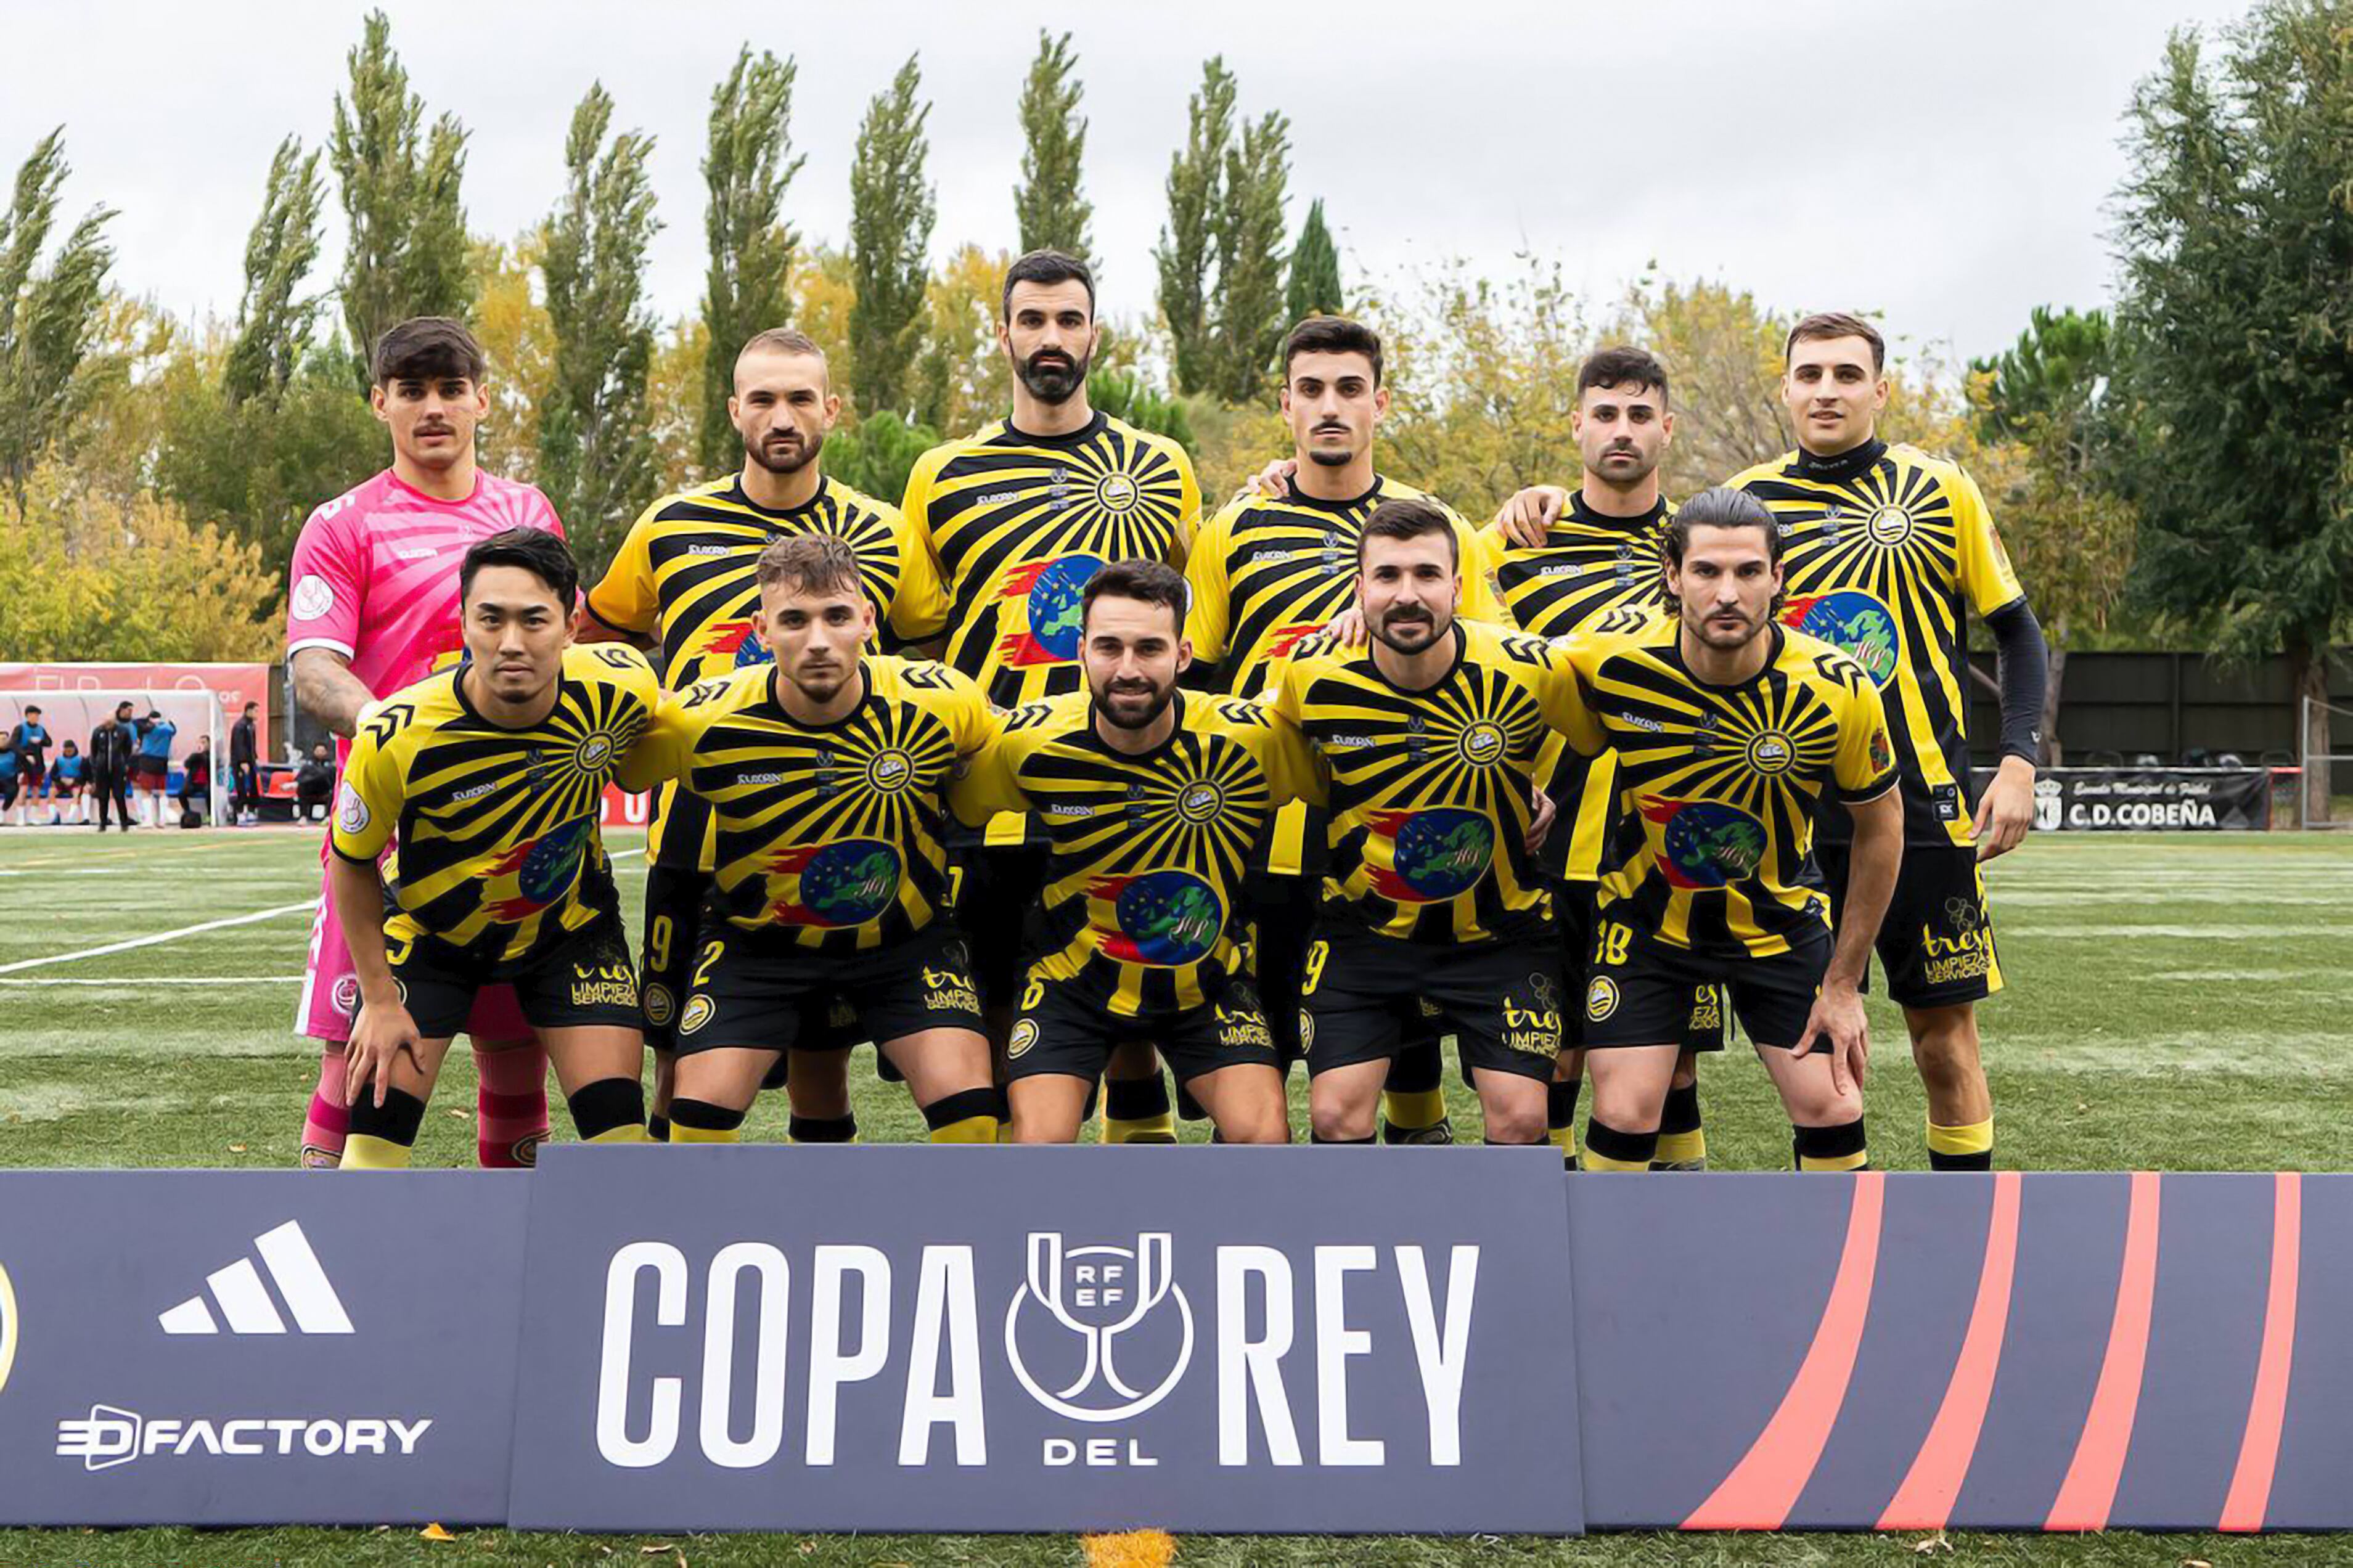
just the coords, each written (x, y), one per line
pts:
(1018, 523)
(683, 577)
(1143, 887)
(1267, 572)
(1429, 790)
(831, 834)
(1887, 550)
(1593, 572)
(1726, 781)
(498, 847)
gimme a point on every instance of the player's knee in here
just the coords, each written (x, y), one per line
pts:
(1333, 1123)
(1636, 1107)
(1517, 1124)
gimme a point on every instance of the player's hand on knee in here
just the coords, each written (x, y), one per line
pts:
(1838, 1023)
(1270, 480)
(1531, 513)
(379, 1035)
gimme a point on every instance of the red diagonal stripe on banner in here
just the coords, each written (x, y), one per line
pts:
(2090, 1490)
(1925, 1501)
(1764, 1485)
(2250, 1483)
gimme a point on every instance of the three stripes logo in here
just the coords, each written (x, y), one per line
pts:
(245, 1301)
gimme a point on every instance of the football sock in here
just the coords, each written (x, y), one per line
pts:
(1832, 1148)
(1136, 1110)
(326, 1123)
(700, 1121)
(1682, 1140)
(657, 1129)
(1607, 1149)
(381, 1136)
(1319, 1138)
(969, 1116)
(807, 1128)
(1414, 1101)
(610, 1111)
(1560, 1116)
(511, 1106)
(1965, 1147)
(1187, 1108)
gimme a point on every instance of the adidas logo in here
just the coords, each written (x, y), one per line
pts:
(245, 1301)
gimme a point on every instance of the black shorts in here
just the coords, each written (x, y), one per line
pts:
(760, 992)
(8, 791)
(1061, 1031)
(1500, 1000)
(997, 887)
(582, 980)
(1583, 934)
(1645, 998)
(1937, 938)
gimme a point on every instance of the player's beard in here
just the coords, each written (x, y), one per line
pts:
(1054, 384)
(1724, 639)
(1622, 474)
(822, 685)
(1416, 617)
(801, 454)
(1329, 457)
(1129, 719)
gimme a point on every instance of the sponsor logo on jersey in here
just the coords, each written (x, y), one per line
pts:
(1854, 622)
(1435, 856)
(1160, 918)
(351, 811)
(1704, 844)
(1051, 591)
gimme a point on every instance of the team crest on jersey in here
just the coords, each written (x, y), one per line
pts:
(890, 770)
(1890, 524)
(351, 812)
(1600, 998)
(1705, 843)
(1051, 589)
(738, 641)
(593, 753)
(1117, 493)
(1200, 801)
(1769, 752)
(698, 1012)
(1025, 1035)
(1855, 623)
(1883, 752)
(1481, 743)
(1438, 855)
(845, 883)
(545, 869)
(659, 1005)
(1163, 918)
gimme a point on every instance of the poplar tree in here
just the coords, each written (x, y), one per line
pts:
(892, 209)
(747, 169)
(1048, 205)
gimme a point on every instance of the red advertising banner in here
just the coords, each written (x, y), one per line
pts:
(236, 684)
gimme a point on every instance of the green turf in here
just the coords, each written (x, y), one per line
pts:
(2176, 1004)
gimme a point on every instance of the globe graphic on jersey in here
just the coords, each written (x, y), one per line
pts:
(1169, 917)
(1853, 622)
(1442, 854)
(1054, 603)
(1708, 844)
(553, 864)
(751, 651)
(849, 882)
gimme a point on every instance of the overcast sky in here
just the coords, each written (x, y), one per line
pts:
(1947, 164)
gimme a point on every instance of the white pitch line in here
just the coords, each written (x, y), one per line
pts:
(75, 872)
(307, 905)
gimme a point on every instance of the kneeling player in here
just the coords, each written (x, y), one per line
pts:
(825, 777)
(492, 776)
(1729, 728)
(1152, 799)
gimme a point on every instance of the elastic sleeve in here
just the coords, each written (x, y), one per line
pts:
(2023, 659)
(1568, 698)
(1294, 769)
(327, 582)
(1480, 600)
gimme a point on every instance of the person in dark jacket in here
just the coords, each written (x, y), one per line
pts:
(244, 768)
(111, 746)
(314, 786)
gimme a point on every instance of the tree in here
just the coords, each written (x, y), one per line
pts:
(273, 320)
(963, 381)
(1249, 323)
(1125, 395)
(892, 209)
(1315, 289)
(519, 341)
(596, 453)
(746, 170)
(47, 314)
(2237, 239)
(1048, 204)
(1188, 245)
(878, 453)
(406, 255)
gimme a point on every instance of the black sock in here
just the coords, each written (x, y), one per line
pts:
(816, 1129)
(396, 1120)
(1319, 1138)
(657, 1129)
(1609, 1149)
(1832, 1148)
(1136, 1098)
(702, 1116)
(608, 1104)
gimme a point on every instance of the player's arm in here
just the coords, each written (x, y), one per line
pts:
(1568, 697)
(1529, 515)
(323, 602)
(2024, 661)
(989, 782)
(362, 823)
(1863, 772)
(328, 690)
(624, 606)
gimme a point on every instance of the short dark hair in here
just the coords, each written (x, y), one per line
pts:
(811, 563)
(31, 708)
(536, 551)
(1622, 367)
(1826, 324)
(1409, 517)
(1047, 267)
(427, 348)
(251, 706)
(1720, 506)
(1148, 582)
(1331, 335)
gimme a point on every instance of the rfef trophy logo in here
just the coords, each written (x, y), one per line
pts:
(1098, 1294)
(7, 1326)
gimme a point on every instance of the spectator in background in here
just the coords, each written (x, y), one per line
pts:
(11, 780)
(245, 768)
(197, 782)
(314, 786)
(153, 765)
(29, 742)
(69, 784)
(111, 746)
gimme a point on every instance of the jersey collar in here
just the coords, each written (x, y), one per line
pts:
(734, 494)
(1772, 657)
(1086, 432)
(1639, 525)
(1462, 648)
(1176, 731)
(1848, 464)
(1316, 503)
(774, 685)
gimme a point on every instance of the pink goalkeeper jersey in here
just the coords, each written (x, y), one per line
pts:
(375, 574)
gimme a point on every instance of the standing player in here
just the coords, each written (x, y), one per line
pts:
(28, 745)
(824, 775)
(1890, 549)
(487, 780)
(1433, 734)
(1153, 801)
(684, 578)
(1731, 730)
(1597, 566)
(1269, 570)
(1020, 515)
(152, 767)
(373, 608)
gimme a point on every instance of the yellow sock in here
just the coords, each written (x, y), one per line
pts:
(1593, 1161)
(630, 1132)
(1413, 1110)
(969, 1130)
(1832, 1148)
(363, 1151)
(704, 1134)
(1607, 1149)
(1968, 1147)
(1681, 1148)
(1137, 1110)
